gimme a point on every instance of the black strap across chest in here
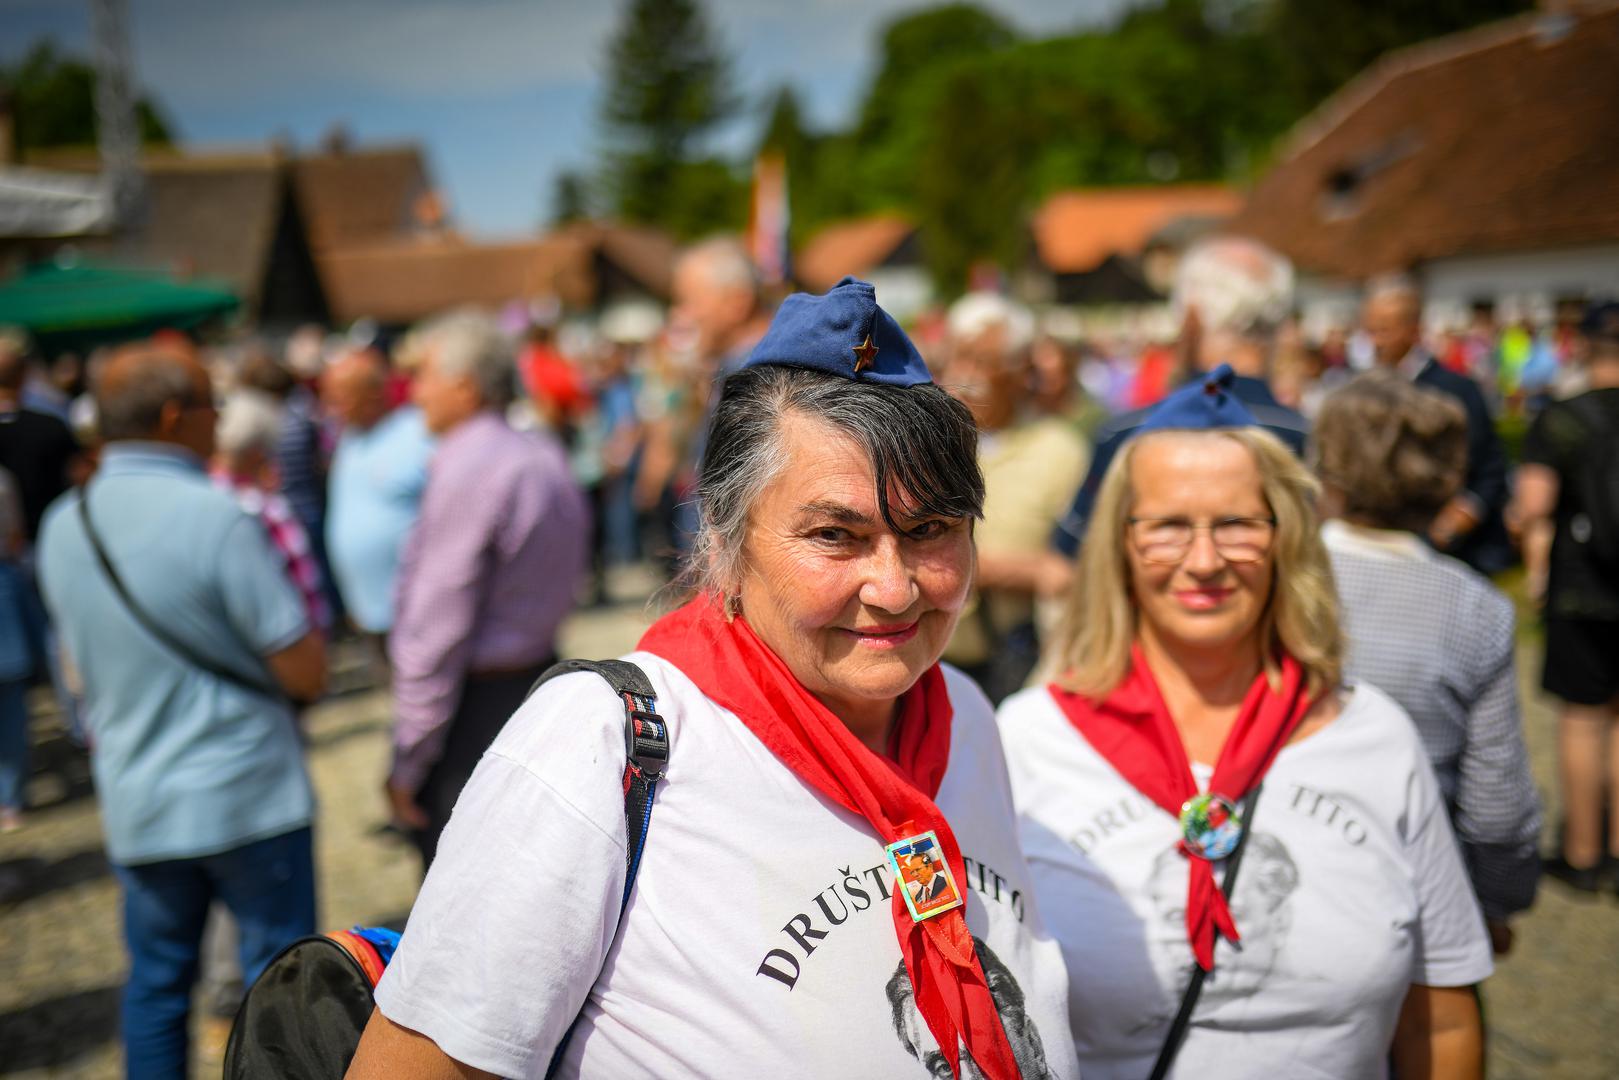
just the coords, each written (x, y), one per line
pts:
(155, 629)
(646, 753)
(1194, 988)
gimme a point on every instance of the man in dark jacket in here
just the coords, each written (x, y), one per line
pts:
(1470, 526)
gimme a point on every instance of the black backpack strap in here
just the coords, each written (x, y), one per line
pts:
(646, 752)
(153, 628)
(1194, 989)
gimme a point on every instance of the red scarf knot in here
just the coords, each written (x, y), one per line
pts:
(1133, 730)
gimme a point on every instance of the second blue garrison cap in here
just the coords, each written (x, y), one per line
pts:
(1201, 405)
(843, 333)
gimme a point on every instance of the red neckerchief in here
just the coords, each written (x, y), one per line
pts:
(1132, 728)
(737, 671)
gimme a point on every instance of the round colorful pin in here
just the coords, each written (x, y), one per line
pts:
(1210, 827)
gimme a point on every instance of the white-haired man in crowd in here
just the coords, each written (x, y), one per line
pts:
(1032, 464)
(486, 577)
(1232, 295)
(720, 310)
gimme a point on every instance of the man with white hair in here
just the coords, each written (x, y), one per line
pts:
(1031, 466)
(486, 577)
(719, 307)
(1232, 295)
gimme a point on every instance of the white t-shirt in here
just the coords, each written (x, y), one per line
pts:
(757, 940)
(1351, 889)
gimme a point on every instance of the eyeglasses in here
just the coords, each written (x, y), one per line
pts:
(1237, 539)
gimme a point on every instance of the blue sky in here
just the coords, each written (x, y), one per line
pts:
(501, 93)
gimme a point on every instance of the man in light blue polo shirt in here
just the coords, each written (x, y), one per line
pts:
(204, 795)
(378, 474)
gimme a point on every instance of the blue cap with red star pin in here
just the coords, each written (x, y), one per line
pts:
(843, 333)
(1202, 405)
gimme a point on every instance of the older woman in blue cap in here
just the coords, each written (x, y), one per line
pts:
(832, 883)
(1202, 666)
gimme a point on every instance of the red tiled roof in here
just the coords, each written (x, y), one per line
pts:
(404, 280)
(359, 196)
(849, 247)
(1075, 231)
(1500, 139)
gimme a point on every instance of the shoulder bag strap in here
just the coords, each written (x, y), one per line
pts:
(646, 752)
(1194, 988)
(152, 627)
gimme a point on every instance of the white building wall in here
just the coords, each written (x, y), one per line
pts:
(1520, 285)
(1525, 284)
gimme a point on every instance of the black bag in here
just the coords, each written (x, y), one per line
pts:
(302, 1019)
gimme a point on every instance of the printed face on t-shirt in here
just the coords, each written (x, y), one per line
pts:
(854, 609)
(1260, 907)
(1022, 1034)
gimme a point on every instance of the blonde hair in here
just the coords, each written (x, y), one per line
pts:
(1301, 616)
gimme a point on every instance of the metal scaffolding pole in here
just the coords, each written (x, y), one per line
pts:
(117, 134)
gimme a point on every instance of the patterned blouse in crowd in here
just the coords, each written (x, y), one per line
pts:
(288, 537)
(1438, 638)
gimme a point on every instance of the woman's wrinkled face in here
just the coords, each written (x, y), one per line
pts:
(1204, 600)
(856, 610)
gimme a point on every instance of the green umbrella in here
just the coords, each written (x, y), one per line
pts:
(82, 305)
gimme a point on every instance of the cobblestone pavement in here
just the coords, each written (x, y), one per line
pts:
(1553, 1006)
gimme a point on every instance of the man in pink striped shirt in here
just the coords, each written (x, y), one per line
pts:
(486, 577)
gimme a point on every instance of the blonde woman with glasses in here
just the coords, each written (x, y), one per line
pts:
(1202, 665)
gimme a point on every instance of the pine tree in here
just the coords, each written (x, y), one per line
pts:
(668, 86)
(570, 199)
(53, 100)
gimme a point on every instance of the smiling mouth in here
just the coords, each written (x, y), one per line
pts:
(1202, 599)
(884, 637)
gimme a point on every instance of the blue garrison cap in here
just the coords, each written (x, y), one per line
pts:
(842, 333)
(1204, 404)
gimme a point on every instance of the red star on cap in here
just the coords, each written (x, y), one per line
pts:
(865, 355)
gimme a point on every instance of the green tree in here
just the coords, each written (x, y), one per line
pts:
(972, 178)
(784, 127)
(802, 152)
(570, 199)
(920, 55)
(668, 87)
(53, 102)
(1324, 45)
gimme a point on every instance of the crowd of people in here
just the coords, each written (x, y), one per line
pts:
(1165, 580)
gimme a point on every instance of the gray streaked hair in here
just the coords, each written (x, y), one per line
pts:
(248, 421)
(920, 441)
(470, 343)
